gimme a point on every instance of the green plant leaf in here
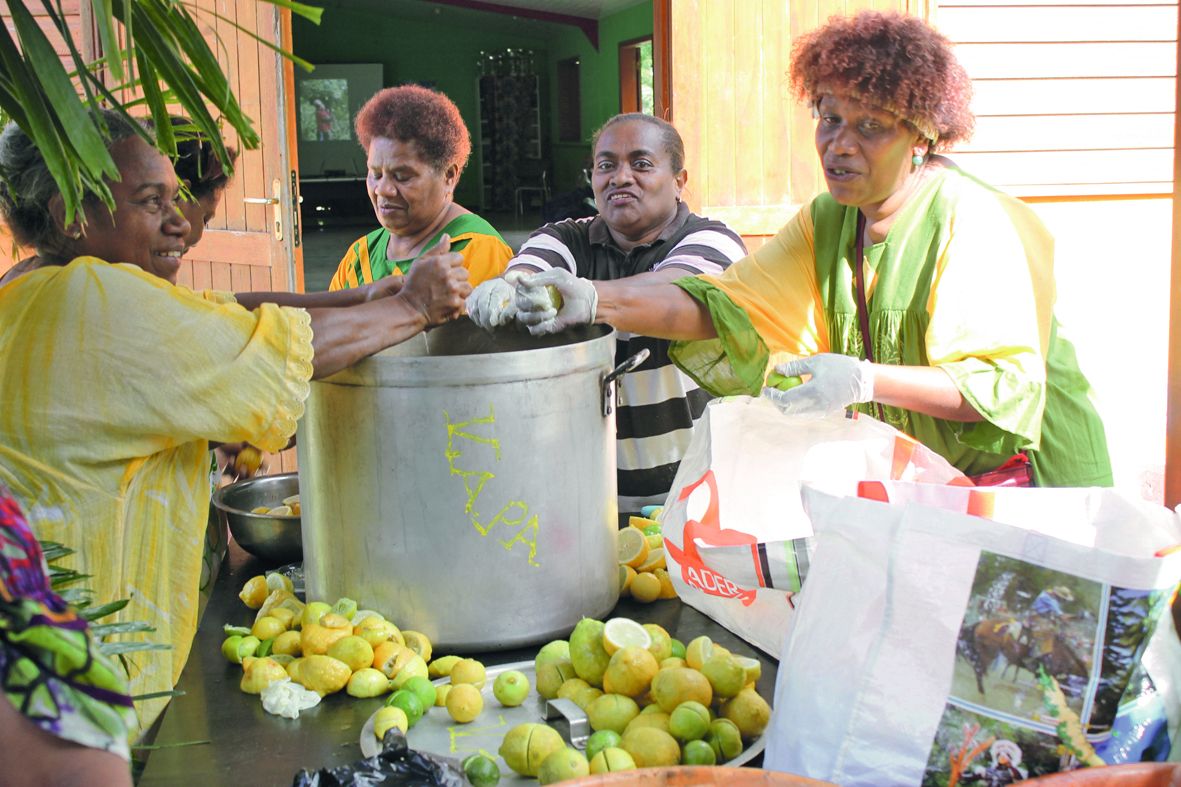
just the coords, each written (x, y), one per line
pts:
(115, 648)
(101, 611)
(109, 629)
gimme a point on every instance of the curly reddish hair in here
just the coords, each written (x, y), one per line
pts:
(426, 117)
(893, 61)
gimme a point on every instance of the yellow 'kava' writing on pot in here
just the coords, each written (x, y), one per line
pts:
(514, 513)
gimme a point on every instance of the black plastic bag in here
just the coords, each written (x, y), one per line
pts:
(397, 765)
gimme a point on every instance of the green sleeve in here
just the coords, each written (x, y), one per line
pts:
(736, 361)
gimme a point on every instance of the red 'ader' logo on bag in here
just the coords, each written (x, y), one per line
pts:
(710, 533)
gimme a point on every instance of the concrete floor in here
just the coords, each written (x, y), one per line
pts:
(324, 247)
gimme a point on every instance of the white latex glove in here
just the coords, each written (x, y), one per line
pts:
(535, 306)
(837, 382)
(492, 303)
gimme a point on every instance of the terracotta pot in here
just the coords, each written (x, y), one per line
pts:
(1138, 774)
(694, 775)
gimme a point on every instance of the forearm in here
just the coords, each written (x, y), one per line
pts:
(649, 304)
(352, 296)
(923, 389)
(341, 337)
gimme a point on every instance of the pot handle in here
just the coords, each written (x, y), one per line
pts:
(619, 371)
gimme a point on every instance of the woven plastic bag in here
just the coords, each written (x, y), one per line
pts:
(955, 636)
(736, 537)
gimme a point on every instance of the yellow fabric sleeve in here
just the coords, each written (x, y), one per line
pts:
(345, 277)
(484, 256)
(776, 287)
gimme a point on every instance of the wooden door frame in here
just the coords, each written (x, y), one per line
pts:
(629, 67)
(1173, 411)
(662, 58)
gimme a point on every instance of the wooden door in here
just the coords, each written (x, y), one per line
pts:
(254, 241)
(748, 145)
(252, 244)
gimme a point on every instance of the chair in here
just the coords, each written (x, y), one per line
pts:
(532, 179)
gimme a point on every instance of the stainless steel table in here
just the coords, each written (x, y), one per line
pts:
(248, 746)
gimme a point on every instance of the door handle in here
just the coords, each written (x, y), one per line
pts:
(276, 202)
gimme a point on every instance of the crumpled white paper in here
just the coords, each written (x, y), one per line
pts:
(287, 698)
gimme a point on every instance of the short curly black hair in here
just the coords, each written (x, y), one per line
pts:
(891, 60)
(410, 113)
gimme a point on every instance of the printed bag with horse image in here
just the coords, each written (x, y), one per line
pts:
(952, 635)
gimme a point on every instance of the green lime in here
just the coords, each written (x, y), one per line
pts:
(510, 688)
(689, 721)
(652, 530)
(481, 771)
(698, 753)
(777, 380)
(603, 739)
(423, 689)
(678, 649)
(409, 702)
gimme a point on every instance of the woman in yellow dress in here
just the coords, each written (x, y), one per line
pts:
(416, 146)
(114, 380)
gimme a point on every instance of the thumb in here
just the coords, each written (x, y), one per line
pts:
(442, 247)
(551, 276)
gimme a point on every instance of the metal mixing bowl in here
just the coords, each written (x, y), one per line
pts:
(276, 539)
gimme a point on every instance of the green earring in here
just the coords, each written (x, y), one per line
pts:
(917, 160)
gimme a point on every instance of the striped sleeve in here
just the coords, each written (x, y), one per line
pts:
(546, 249)
(710, 250)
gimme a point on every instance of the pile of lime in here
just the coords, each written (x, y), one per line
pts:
(651, 700)
(643, 573)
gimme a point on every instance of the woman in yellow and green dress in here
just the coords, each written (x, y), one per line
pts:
(910, 290)
(416, 146)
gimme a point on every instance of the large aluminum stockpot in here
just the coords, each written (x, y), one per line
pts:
(463, 484)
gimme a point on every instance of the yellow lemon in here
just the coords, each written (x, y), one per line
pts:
(323, 674)
(441, 693)
(725, 676)
(387, 718)
(749, 712)
(673, 686)
(287, 644)
(630, 671)
(254, 592)
(654, 560)
(419, 643)
(645, 588)
(611, 759)
(314, 640)
(632, 547)
(257, 674)
(659, 720)
(367, 682)
(641, 522)
(565, 763)
(414, 667)
(390, 658)
(624, 632)
(651, 747)
(267, 627)
(667, 590)
(376, 631)
(464, 702)
(441, 667)
(626, 575)
(526, 746)
(352, 650)
(698, 651)
(587, 653)
(612, 712)
(312, 612)
(662, 643)
(752, 667)
(469, 671)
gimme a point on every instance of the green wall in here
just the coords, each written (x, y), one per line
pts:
(418, 50)
(599, 83)
(413, 50)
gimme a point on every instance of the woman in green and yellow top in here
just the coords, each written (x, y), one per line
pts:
(911, 290)
(417, 146)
